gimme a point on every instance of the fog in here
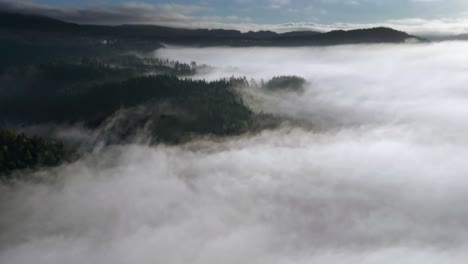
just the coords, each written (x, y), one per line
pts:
(372, 171)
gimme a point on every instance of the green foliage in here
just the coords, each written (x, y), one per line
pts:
(286, 83)
(143, 64)
(18, 151)
(198, 107)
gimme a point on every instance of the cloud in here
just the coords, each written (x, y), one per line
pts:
(377, 69)
(277, 4)
(126, 13)
(380, 176)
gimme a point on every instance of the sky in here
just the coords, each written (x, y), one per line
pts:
(415, 16)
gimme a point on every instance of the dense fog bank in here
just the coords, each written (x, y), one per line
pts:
(372, 170)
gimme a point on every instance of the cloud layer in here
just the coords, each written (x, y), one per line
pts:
(380, 176)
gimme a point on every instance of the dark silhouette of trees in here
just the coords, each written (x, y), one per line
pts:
(213, 107)
(18, 151)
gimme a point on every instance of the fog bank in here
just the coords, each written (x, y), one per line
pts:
(378, 174)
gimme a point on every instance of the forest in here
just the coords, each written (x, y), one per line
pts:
(120, 96)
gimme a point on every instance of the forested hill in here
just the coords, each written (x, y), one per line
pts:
(33, 24)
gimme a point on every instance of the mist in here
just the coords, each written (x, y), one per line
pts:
(372, 170)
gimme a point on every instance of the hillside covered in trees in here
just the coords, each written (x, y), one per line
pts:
(212, 107)
(171, 110)
(114, 88)
(167, 108)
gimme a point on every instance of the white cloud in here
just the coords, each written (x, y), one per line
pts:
(380, 177)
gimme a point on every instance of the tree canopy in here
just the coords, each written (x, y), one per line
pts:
(18, 151)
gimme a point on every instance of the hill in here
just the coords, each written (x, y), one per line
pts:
(34, 25)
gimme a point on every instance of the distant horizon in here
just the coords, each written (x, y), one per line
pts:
(196, 28)
(192, 16)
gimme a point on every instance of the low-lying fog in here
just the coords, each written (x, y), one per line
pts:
(378, 174)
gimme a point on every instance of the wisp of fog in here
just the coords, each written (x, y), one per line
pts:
(377, 173)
